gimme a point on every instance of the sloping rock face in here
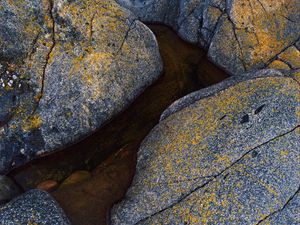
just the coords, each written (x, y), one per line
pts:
(240, 35)
(34, 207)
(228, 156)
(67, 67)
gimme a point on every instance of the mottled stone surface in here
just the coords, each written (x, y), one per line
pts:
(34, 207)
(240, 35)
(231, 154)
(209, 91)
(290, 214)
(67, 67)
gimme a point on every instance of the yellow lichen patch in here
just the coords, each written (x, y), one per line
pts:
(32, 123)
(98, 61)
(188, 217)
(214, 14)
(277, 64)
(90, 16)
(31, 223)
(284, 153)
(297, 76)
(292, 56)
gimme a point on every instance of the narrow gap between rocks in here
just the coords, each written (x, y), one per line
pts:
(107, 158)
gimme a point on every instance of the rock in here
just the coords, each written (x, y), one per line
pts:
(34, 207)
(67, 67)
(212, 90)
(8, 189)
(48, 185)
(229, 154)
(240, 35)
(76, 177)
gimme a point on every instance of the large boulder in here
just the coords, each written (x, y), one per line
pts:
(34, 207)
(67, 67)
(227, 154)
(240, 35)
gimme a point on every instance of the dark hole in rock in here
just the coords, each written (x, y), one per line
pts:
(259, 109)
(254, 154)
(245, 119)
(110, 153)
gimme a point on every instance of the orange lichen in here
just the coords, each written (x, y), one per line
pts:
(277, 64)
(292, 56)
(261, 28)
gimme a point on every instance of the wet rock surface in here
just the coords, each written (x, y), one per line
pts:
(67, 67)
(89, 202)
(229, 156)
(240, 35)
(34, 207)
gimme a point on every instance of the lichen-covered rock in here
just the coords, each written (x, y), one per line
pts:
(228, 156)
(240, 35)
(67, 67)
(34, 207)
(209, 91)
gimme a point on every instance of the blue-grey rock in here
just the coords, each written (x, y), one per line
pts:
(240, 35)
(210, 91)
(289, 214)
(226, 155)
(33, 207)
(67, 68)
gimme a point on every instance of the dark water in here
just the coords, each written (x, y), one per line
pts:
(110, 153)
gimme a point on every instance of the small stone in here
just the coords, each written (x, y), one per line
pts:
(48, 185)
(75, 178)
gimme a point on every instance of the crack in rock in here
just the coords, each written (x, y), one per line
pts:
(219, 174)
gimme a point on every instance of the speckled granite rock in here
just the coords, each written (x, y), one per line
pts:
(8, 189)
(240, 35)
(34, 207)
(230, 155)
(67, 67)
(209, 91)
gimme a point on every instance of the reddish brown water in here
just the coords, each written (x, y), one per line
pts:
(110, 152)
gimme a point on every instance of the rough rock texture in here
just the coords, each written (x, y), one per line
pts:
(231, 155)
(34, 207)
(209, 91)
(290, 214)
(240, 35)
(8, 189)
(67, 67)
